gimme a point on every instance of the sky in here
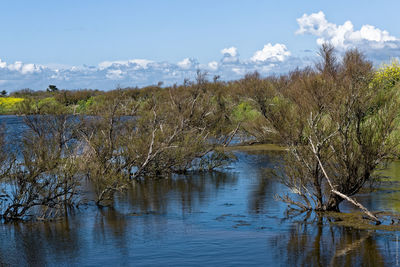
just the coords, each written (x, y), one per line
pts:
(103, 44)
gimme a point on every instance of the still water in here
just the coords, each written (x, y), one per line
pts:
(227, 218)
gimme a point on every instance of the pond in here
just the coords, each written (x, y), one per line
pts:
(227, 218)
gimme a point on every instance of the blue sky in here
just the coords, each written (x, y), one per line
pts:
(102, 44)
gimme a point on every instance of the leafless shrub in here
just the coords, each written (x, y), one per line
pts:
(131, 139)
(42, 183)
(336, 115)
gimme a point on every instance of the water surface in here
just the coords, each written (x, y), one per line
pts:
(227, 218)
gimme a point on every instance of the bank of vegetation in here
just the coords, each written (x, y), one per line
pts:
(337, 120)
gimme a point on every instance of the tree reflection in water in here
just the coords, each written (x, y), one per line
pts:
(314, 242)
(182, 191)
(33, 243)
(266, 184)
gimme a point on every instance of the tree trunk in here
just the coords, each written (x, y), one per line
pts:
(333, 203)
(318, 189)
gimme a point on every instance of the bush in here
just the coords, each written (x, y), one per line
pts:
(9, 105)
(387, 76)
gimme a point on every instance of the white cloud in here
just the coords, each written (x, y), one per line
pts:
(29, 68)
(315, 24)
(230, 55)
(239, 71)
(18, 66)
(138, 72)
(188, 63)
(3, 64)
(114, 74)
(231, 51)
(140, 63)
(185, 63)
(371, 33)
(268, 68)
(277, 52)
(213, 65)
(344, 36)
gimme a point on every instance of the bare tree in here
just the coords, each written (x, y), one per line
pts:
(338, 127)
(42, 181)
(175, 130)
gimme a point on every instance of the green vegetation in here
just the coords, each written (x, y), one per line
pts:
(358, 221)
(245, 112)
(9, 105)
(387, 76)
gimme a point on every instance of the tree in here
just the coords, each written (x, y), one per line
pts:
(170, 131)
(4, 93)
(43, 182)
(52, 88)
(338, 127)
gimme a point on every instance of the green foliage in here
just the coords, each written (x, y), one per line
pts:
(9, 105)
(387, 76)
(50, 105)
(244, 112)
(83, 106)
(72, 97)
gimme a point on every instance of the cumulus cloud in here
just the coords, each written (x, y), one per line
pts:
(114, 74)
(188, 63)
(231, 51)
(213, 65)
(29, 68)
(3, 64)
(230, 55)
(277, 52)
(368, 38)
(20, 67)
(139, 63)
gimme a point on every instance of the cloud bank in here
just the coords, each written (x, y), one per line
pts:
(272, 58)
(376, 43)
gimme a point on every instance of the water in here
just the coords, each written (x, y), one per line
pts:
(227, 218)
